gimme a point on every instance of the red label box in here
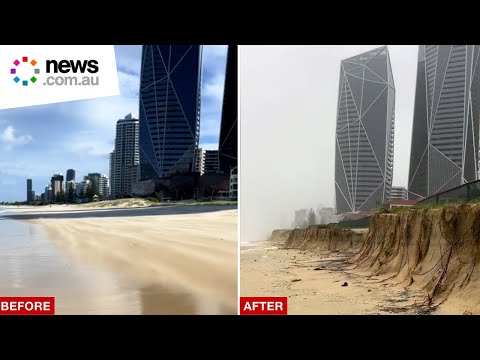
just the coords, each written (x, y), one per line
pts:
(262, 305)
(27, 305)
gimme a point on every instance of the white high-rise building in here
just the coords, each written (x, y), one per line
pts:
(125, 159)
(103, 186)
(200, 161)
(82, 187)
(112, 172)
(101, 183)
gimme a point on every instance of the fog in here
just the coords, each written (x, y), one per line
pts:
(288, 105)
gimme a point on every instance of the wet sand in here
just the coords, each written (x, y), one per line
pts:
(267, 270)
(151, 264)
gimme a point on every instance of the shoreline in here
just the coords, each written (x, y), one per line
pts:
(119, 204)
(72, 212)
(190, 251)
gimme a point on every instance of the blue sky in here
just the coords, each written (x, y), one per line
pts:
(38, 141)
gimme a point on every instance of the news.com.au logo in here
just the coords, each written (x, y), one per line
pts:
(26, 71)
(262, 305)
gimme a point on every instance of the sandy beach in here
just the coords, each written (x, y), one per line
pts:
(183, 260)
(312, 281)
(268, 270)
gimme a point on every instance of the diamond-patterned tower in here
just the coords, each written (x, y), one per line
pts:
(169, 109)
(227, 151)
(445, 133)
(365, 132)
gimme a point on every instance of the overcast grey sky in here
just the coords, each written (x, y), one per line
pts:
(288, 105)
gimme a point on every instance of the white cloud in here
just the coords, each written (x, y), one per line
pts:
(92, 147)
(15, 168)
(102, 114)
(210, 126)
(9, 138)
(89, 143)
(214, 88)
(129, 84)
(214, 52)
(128, 57)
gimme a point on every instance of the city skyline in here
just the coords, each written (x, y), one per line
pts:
(60, 181)
(32, 143)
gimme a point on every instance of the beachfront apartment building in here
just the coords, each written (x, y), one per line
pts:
(103, 190)
(101, 183)
(48, 194)
(125, 159)
(82, 187)
(111, 167)
(57, 186)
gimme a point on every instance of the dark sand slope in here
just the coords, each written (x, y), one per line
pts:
(433, 250)
(320, 238)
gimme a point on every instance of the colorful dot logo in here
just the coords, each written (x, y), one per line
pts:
(33, 63)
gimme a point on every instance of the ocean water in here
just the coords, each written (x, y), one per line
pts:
(31, 264)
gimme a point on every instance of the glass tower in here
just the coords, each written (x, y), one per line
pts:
(445, 133)
(364, 133)
(29, 190)
(170, 88)
(227, 151)
(70, 175)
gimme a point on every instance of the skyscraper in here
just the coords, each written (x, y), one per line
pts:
(57, 185)
(95, 179)
(101, 183)
(48, 193)
(111, 172)
(364, 134)
(228, 130)
(29, 190)
(170, 86)
(124, 160)
(70, 175)
(445, 134)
